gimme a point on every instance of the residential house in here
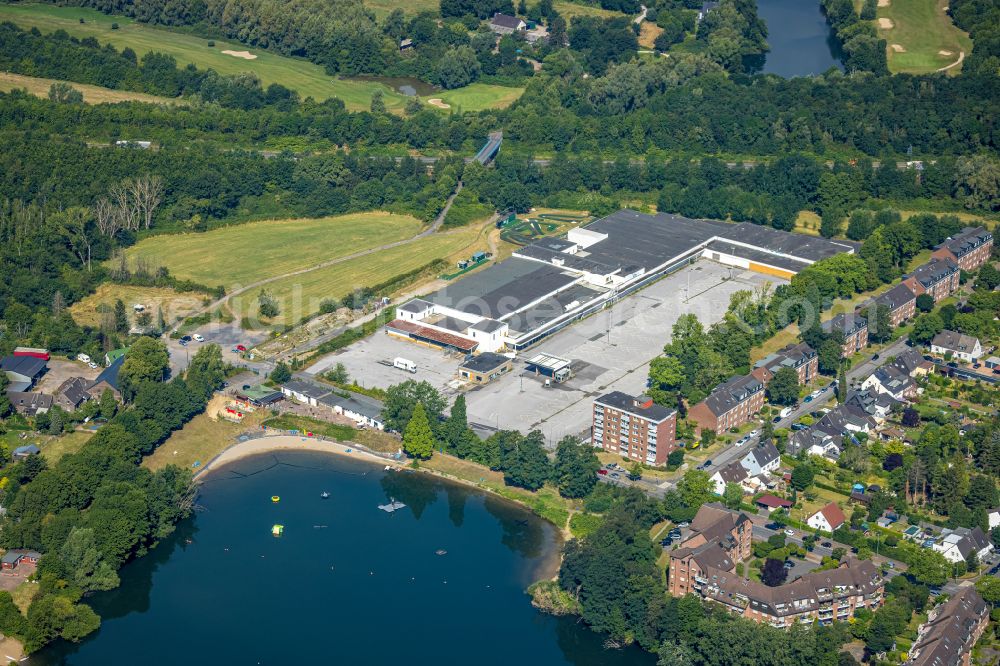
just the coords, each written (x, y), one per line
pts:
(363, 410)
(761, 459)
(938, 277)
(484, 368)
(717, 536)
(730, 404)
(706, 7)
(891, 381)
(912, 363)
(734, 472)
(502, 24)
(960, 346)
(874, 404)
(853, 327)
(30, 403)
(305, 392)
(970, 248)
(827, 519)
(801, 357)
(832, 432)
(23, 452)
(72, 393)
(634, 427)
(957, 544)
(405, 44)
(951, 630)
(22, 371)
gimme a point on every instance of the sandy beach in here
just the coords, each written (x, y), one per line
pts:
(253, 447)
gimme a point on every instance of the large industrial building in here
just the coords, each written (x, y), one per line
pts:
(548, 284)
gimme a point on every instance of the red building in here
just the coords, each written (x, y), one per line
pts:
(730, 405)
(853, 327)
(970, 248)
(636, 428)
(938, 277)
(801, 357)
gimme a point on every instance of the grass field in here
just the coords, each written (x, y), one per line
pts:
(648, 32)
(309, 79)
(54, 448)
(568, 9)
(248, 252)
(922, 37)
(175, 305)
(300, 295)
(200, 440)
(91, 94)
(382, 8)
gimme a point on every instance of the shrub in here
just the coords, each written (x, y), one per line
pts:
(114, 26)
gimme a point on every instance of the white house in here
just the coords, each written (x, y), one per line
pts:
(361, 409)
(891, 381)
(734, 472)
(963, 347)
(761, 459)
(956, 545)
(827, 519)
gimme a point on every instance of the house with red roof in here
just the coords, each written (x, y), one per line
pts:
(827, 519)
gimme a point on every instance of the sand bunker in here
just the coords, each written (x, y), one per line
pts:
(246, 55)
(883, 3)
(885, 23)
(945, 53)
(439, 103)
(898, 48)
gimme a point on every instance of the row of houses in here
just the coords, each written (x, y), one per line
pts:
(753, 472)
(951, 630)
(705, 565)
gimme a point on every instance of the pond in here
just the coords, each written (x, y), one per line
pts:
(441, 581)
(802, 42)
(406, 85)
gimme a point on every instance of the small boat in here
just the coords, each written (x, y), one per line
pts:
(275, 499)
(324, 495)
(392, 506)
(441, 551)
(277, 530)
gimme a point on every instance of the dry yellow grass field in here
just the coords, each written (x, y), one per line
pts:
(91, 94)
(175, 305)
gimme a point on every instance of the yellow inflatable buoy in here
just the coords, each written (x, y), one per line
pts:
(275, 499)
(277, 530)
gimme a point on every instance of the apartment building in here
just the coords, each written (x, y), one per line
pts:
(705, 565)
(900, 300)
(730, 404)
(634, 427)
(854, 328)
(970, 248)
(801, 357)
(938, 277)
(951, 630)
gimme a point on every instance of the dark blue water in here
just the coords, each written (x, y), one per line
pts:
(801, 40)
(367, 588)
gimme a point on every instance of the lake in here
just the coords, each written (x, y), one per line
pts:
(346, 583)
(801, 40)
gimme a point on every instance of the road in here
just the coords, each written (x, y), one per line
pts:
(860, 371)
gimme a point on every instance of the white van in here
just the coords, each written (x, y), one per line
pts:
(83, 358)
(404, 364)
(785, 412)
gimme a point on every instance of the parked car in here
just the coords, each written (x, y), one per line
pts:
(198, 337)
(183, 343)
(874, 357)
(789, 532)
(799, 426)
(753, 433)
(246, 387)
(683, 525)
(185, 338)
(666, 542)
(83, 358)
(827, 544)
(602, 472)
(808, 398)
(773, 526)
(240, 348)
(977, 365)
(789, 565)
(92, 365)
(952, 364)
(776, 419)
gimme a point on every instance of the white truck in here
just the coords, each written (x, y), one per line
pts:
(404, 364)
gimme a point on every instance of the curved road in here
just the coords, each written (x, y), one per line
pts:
(434, 227)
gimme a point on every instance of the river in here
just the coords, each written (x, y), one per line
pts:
(801, 40)
(345, 583)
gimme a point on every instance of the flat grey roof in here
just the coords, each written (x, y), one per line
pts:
(812, 248)
(485, 362)
(647, 240)
(503, 288)
(416, 305)
(758, 256)
(551, 308)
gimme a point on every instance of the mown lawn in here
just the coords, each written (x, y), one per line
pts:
(307, 78)
(200, 440)
(91, 94)
(245, 253)
(926, 39)
(382, 8)
(301, 295)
